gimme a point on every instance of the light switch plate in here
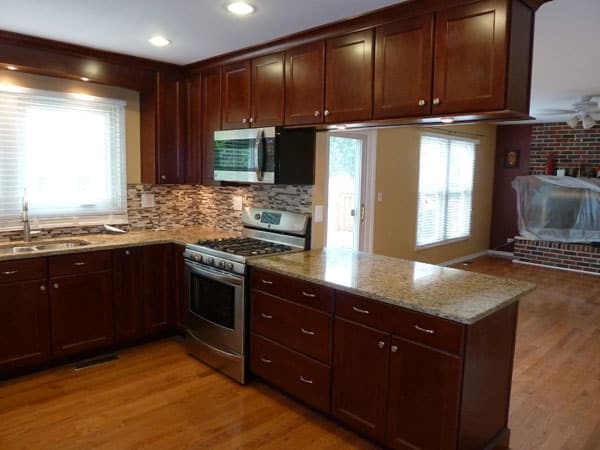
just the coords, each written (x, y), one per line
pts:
(318, 213)
(380, 197)
(237, 203)
(147, 200)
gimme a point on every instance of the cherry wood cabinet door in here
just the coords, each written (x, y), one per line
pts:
(193, 144)
(24, 324)
(158, 288)
(305, 83)
(211, 121)
(267, 92)
(470, 58)
(127, 289)
(360, 376)
(236, 95)
(81, 309)
(349, 77)
(170, 128)
(423, 397)
(403, 68)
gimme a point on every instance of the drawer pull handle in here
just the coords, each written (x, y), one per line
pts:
(266, 316)
(305, 380)
(266, 282)
(308, 294)
(380, 344)
(310, 333)
(394, 348)
(362, 311)
(10, 272)
(80, 263)
(424, 330)
(265, 360)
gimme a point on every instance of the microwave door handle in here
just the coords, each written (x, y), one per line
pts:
(263, 162)
(258, 156)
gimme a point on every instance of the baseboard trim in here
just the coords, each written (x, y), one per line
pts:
(463, 258)
(527, 263)
(500, 254)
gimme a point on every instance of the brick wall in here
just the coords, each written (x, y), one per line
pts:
(572, 147)
(566, 256)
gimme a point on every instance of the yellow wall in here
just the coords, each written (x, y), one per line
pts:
(397, 172)
(132, 110)
(320, 189)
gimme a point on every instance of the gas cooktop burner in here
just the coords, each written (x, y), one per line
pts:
(245, 246)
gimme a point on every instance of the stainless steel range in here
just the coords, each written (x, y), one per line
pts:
(216, 280)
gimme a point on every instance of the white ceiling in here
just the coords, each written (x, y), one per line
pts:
(566, 63)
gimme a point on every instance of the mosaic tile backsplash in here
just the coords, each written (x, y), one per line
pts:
(190, 205)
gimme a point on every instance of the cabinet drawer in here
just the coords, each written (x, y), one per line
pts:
(22, 270)
(419, 327)
(311, 294)
(75, 263)
(302, 377)
(303, 329)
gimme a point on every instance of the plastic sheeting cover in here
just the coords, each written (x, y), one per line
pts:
(563, 209)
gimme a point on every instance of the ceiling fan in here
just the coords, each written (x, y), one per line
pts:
(586, 111)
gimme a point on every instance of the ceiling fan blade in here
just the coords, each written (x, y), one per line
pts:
(595, 115)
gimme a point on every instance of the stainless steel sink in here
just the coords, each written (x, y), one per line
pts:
(42, 246)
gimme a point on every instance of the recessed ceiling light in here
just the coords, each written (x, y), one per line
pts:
(159, 41)
(11, 67)
(84, 79)
(240, 8)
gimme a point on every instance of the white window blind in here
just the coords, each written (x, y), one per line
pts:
(67, 153)
(446, 168)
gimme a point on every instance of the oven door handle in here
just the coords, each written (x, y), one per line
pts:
(215, 275)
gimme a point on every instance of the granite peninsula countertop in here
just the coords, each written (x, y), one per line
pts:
(109, 241)
(454, 294)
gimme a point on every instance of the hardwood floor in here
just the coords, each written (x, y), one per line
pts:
(155, 396)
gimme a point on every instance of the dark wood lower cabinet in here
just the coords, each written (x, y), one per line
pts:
(81, 312)
(24, 324)
(127, 294)
(159, 310)
(360, 377)
(422, 400)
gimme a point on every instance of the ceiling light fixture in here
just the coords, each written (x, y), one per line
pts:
(159, 41)
(11, 67)
(240, 8)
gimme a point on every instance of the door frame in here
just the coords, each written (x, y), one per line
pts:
(368, 175)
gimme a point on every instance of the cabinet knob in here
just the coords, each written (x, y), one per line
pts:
(244, 120)
(436, 101)
(251, 120)
(326, 112)
(43, 287)
(127, 252)
(163, 178)
(394, 348)
(55, 285)
(422, 102)
(317, 113)
(380, 344)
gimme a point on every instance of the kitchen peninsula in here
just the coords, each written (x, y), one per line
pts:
(410, 354)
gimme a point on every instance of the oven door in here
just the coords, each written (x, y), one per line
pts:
(215, 304)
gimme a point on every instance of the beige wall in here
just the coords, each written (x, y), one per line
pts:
(397, 171)
(132, 110)
(320, 189)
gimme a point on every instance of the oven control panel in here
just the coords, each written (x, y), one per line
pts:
(214, 261)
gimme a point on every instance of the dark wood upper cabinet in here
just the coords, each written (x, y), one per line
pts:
(304, 83)
(403, 68)
(471, 57)
(236, 95)
(349, 77)
(211, 120)
(193, 147)
(170, 127)
(267, 92)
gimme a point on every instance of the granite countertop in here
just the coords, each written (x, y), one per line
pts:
(454, 294)
(109, 241)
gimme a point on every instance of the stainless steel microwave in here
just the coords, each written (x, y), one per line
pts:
(273, 155)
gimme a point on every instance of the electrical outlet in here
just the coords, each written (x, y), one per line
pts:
(147, 200)
(318, 213)
(238, 203)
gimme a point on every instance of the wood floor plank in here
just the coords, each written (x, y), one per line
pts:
(157, 397)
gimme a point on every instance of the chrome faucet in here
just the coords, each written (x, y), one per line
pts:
(25, 219)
